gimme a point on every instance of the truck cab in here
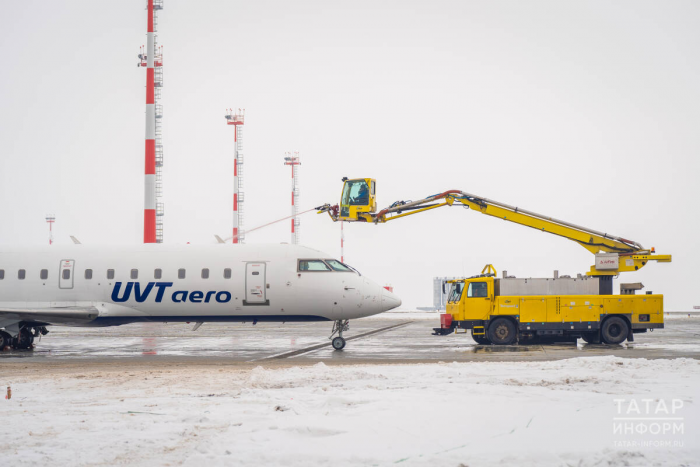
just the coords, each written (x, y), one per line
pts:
(470, 299)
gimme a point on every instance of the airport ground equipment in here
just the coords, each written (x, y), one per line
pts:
(508, 310)
(613, 254)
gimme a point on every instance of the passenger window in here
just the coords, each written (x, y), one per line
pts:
(180, 273)
(477, 290)
(88, 274)
(21, 274)
(337, 265)
(2, 274)
(134, 273)
(110, 273)
(227, 273)
(205, 273)
(44, 274)
(66, 273)
(157, 273)
(313, 265)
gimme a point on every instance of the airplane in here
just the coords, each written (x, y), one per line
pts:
(80, 285)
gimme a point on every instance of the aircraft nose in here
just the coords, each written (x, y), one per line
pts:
(389, 300)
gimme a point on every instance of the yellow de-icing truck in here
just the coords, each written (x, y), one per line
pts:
(512, 310)
(508, 310)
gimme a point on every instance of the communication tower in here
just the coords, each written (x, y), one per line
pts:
(152, 59)
(293, 160)
(50, 219)
(237, 119)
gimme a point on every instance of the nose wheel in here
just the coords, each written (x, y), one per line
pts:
(338, 343)
(338, 327)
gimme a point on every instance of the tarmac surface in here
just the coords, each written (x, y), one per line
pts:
(384, 339)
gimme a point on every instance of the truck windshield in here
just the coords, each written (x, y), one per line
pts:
(455, 292)
(355, 193)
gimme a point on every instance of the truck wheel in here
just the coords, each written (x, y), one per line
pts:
(591, 337)
(614, 330)
(502, 332)
(481, 340)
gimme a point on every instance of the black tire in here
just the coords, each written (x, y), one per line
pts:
(614, 330)
(591, 337)
(24, 340)
(338, 343)
(481, 340)
(532, 339)
(5, 340)
(502, 331)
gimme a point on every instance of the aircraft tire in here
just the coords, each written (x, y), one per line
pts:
(24, 340)
(5, 341)
(338, 343)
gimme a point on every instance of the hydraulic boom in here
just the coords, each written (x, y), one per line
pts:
(613, 254)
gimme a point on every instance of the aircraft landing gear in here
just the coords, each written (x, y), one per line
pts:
(338, 327)
(24, 339)
(338, 343)
(5, 341)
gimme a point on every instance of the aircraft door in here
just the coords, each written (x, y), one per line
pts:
(255, 284)
(65, 274)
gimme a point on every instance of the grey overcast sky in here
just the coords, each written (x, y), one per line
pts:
(583, 110)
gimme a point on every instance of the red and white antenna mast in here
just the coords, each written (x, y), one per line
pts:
(152, 59)
(50, 219)
(237, 119)
(295, 162)
(342, 242)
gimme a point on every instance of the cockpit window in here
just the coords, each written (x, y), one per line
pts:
(455, 292)
(355, 193)
(337, 265)
(313, 265)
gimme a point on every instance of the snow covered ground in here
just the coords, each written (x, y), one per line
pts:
(475, 414)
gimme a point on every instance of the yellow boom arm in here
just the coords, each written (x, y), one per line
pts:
(613, 254)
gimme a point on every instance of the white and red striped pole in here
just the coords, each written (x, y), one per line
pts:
(342, 243)
(50, 218)
(149, 208)
(293, 160)
(236, 119)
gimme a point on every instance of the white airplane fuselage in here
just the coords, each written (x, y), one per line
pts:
(186, 283)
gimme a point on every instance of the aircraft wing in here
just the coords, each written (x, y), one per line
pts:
(53, 315)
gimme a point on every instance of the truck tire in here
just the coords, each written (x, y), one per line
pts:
(591, 337)
(614, 330)
(481, 340)
(502, 331)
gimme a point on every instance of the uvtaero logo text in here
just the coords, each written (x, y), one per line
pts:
(180, 296)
